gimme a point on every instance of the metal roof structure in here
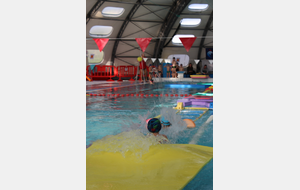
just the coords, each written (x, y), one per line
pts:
(156, 19)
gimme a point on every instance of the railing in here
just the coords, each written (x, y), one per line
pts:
(127, 71)
(101, 72)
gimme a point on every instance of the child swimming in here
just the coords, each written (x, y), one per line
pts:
(154, 126)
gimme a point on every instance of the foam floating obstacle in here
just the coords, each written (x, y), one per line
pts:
(164, 166)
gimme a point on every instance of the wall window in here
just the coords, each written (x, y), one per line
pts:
(101, 31)
(190, 22)
(180, 59)
(95, 56)
(198, 7)
(176, 40)
(113, 11)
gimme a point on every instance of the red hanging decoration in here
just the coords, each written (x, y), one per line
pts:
(143, 43)
(101, 42)
(187, 42)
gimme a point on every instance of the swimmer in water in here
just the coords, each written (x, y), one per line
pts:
(154, 126)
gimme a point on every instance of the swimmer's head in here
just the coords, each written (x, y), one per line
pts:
(154, 125)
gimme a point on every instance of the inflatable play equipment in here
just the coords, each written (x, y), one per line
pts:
(190, 123)
(164, 166)
(203, 94)
(198, 86)
(205, 83)
(194, 101)
(179, 106)
(139, 59)
(199, 76)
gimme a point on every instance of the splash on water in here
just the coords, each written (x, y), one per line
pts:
(127, 142)
(177, 124)
(134, 137)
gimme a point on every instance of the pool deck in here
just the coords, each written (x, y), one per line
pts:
(182, 79)
(101, 85)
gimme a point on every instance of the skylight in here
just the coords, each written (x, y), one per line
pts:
(113, 11)
(176, 39)
(190, 22)
(101, 31)
(198, 7)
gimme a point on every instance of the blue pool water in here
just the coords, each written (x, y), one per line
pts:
(110, 116)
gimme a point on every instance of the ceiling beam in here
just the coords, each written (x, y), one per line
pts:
(150, 13)
(123, 56)
(207, 27)
(134, 47)
(114, 19)
(141, 30)
(187, 29)
(175, 11)
(197, 14)
(123, 27)
(180, 47)
(138, 3)
(153, 12)
(88, 38)
(93, 10)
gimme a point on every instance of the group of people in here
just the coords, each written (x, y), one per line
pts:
(174, 68)
(152, 70)
(171, 68)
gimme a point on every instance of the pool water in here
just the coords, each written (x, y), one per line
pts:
(112, 115)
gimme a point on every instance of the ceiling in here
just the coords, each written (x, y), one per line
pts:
(149, 18)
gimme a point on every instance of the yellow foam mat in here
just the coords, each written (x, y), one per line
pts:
(163, 167)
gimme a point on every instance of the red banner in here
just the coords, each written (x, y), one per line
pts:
(101, 42)
(143, 43)
(187, 42)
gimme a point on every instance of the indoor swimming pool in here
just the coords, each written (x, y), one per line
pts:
(107, 115)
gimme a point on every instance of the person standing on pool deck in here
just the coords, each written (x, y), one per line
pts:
(150, 72)
(160, 70)
(177, 69)
(181, 67)
(143, 68)
(168, 69)
(173, 68)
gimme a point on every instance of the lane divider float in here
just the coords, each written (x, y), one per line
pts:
(139, 95)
